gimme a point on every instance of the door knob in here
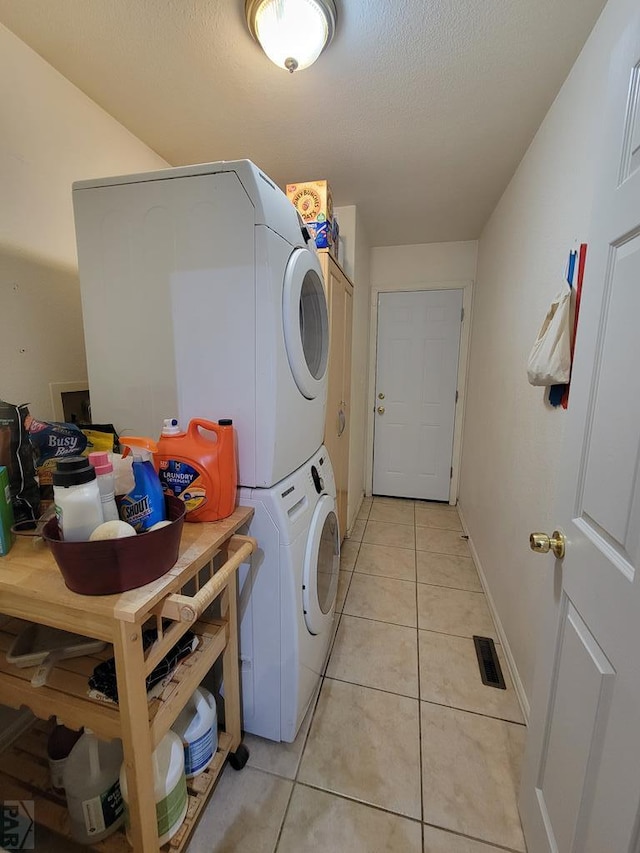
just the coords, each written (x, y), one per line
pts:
(542, 544)
(381, 410)
(381, 396)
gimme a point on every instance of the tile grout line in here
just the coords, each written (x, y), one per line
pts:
(442, 553)
(420, 766)
(365, 803)
(424, 583)
(457, 636)
(482, 841)
(475, 713)
(457, 588)
(377, 689)
(370, 619)
(448, 586)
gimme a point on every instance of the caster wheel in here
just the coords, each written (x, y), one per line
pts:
(239, 758)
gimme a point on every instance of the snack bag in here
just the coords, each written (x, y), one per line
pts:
(16, 455)
(50, 442)
(100, 438)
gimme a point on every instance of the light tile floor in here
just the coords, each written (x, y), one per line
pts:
(404, 749)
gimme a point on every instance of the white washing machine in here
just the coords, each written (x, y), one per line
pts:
(287, 597)
(203, 297)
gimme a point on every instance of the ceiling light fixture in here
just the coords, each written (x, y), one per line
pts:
(293, 33)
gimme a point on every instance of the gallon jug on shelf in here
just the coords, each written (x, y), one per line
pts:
(91, 781)
(200, 467)
(60, 743)
(143, 506)
(169, 784)
(197, 726)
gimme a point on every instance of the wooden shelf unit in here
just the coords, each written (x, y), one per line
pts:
(32, 588)
(24, 775)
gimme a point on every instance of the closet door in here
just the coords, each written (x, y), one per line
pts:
(337, 423)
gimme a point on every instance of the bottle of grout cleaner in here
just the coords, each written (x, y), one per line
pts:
(144, 505)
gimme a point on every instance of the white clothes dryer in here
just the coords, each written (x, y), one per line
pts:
(202, 296)
(287, 597)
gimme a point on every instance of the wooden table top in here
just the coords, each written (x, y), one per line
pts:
(32, 587)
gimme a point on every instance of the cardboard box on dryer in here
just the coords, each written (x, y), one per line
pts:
(6, 513)
(312, 200)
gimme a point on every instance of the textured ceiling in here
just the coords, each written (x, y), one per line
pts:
(418, 112)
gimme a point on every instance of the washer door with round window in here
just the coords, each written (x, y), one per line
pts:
(306, 322)
(321, 566)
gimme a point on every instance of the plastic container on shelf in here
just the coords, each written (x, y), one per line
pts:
(92, 783)
(197, 727)
(77, 498)
(200, 467)
(59, 745)
(106, 484)
(169, 784)
(36, 642)
(43, 646)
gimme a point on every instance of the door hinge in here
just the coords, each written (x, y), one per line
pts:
(462, 315)
(451, 473)
(456, 396)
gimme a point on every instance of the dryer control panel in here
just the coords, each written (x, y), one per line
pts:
(318, 482)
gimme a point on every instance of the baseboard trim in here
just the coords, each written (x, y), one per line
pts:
(513, 669)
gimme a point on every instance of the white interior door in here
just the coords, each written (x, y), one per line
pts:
(581, 781)
(416, 379)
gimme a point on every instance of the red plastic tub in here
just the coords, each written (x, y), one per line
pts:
(115, 565)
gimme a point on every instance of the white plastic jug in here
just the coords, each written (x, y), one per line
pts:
(93, 792)
(170, 786)
(197, 726)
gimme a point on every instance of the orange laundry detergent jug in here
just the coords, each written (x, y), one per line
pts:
(200, 467)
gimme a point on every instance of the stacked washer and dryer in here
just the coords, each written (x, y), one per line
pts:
(202, 295)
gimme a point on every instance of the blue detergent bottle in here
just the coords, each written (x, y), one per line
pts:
(144, 505)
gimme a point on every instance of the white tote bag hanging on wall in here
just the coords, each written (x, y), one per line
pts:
(550, 359)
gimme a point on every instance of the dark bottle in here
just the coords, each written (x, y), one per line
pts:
(61, 742)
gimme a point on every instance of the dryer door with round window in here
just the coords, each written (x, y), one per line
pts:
(306, 322)
(321, 567)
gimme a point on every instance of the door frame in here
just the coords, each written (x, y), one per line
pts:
(463, 368)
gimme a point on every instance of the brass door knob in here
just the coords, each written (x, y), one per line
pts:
(381, 410)
(542, 544)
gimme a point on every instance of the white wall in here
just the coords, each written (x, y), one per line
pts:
(397, 266)
(512, 438)
(51, 134)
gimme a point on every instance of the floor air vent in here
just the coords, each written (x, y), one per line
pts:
(490, 670)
